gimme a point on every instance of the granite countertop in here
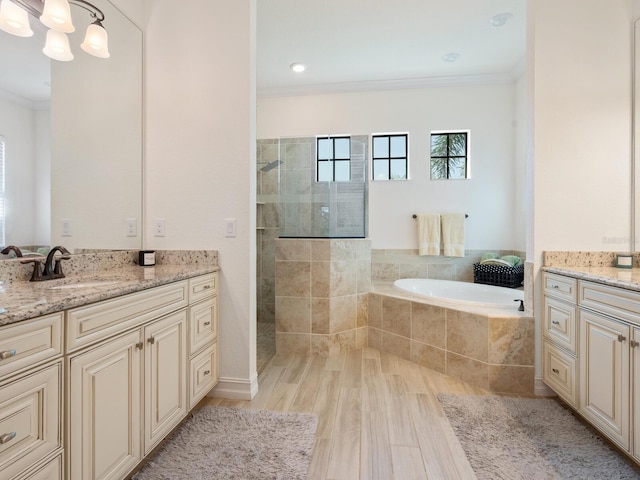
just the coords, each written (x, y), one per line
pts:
(615, 277)
(23, 300)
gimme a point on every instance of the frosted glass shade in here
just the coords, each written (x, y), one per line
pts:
(57, 15)
(57, 46)
(96, 41)
(14, 20)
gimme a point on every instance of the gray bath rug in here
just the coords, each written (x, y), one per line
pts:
(232, 443)
(520, 438)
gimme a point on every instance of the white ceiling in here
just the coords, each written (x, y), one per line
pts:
(357, 44)
(346, 45)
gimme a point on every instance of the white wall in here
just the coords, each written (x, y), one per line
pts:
(496, 219)
(18, 127)
(201, 154)
(581, 69)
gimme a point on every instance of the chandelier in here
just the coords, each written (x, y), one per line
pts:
(56, 15)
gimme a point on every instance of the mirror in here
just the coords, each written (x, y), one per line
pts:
(635, 194)
(83, 187)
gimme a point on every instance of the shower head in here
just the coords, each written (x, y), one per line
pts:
(270, 165)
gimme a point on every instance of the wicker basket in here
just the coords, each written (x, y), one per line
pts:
(501, 276)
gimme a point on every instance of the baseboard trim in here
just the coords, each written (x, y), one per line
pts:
(542, 390)
(235, 388)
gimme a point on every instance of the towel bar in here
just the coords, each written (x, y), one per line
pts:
(416, 216)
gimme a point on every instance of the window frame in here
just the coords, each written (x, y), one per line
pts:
(333, 158)
(389, 157)
(448, 133)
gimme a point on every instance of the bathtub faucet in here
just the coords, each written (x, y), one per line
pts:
(521, 307)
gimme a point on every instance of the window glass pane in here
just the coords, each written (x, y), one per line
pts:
(342, 171)
(399, 146)
(380, 147)
(342, 149)
(380, 170)
(458, 145)
(325, 171)
(398, 169)
(457, 170)
(438, 168)
(438, 145)
(325, 149)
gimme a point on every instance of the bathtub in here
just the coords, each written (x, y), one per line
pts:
(461, 293)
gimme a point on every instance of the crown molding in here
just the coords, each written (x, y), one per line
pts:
(400, 84)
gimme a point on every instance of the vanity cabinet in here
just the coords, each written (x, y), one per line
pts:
(600, 377)
(31, 397)
(560, 341)
(128, 391)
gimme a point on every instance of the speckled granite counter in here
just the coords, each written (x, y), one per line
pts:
(615, 277)
(21, 300)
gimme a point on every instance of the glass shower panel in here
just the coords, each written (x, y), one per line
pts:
(329, 202)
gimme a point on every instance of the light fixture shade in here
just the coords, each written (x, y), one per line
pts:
(14, 20)
(57, 15)
(57, 46)
(96, 41)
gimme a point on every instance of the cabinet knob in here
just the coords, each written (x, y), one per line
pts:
(621, 338)
(139, 345)
(555, 370)
(151, 340)
(7, 354)
(206, 324)
(7, 437)
(207, 287)
(634, 344)
(207, 372)
(555, 322)
(554, 286)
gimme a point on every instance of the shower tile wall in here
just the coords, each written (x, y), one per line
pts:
(390, 265)
(322, 288)
(268, 223)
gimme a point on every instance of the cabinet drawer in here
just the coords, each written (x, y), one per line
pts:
(559, 372)
(203, 287)
(203, 324)
(560, 323)
(28, 343)
(617, 302)
(203, 374)
(30, 419)
(560, 286)
(86, 325)
(52, 470)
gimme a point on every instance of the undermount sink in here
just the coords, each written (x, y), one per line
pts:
(97, 283)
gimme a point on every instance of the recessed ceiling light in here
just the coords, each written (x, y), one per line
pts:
(298, 67)
(500, 19)
(451, 57)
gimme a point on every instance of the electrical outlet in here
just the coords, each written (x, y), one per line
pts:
(67, 227)
(132, 227)
(158, 227)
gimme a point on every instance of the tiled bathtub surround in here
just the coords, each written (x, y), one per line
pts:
(321, 294)
(390, 265)
(492, 352)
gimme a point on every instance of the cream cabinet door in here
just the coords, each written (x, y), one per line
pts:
(636, 391)
(165, 376)
(104, 409)
(604, 375)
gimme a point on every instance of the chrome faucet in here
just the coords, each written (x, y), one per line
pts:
(51, 270)
(11, 248)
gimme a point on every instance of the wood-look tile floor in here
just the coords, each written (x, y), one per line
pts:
(378, 415)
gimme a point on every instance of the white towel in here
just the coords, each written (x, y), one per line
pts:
(453, 234)
(428, 234)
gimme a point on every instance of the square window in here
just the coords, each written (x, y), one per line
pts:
(449, 155)
(389, 156)
(333, 159)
